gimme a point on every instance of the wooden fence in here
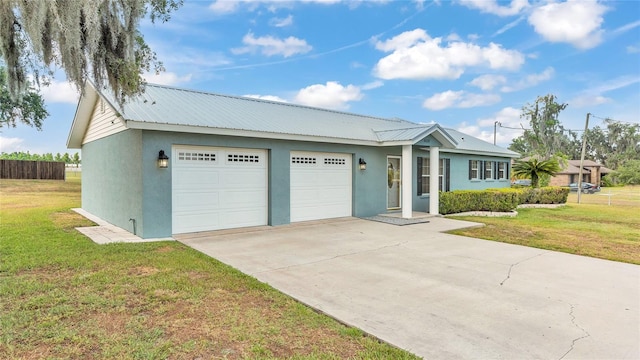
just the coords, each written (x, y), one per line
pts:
(24, 169)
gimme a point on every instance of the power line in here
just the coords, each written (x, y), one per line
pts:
(614, 120)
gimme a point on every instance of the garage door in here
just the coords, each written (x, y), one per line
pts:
(320, 185)
(218, 188)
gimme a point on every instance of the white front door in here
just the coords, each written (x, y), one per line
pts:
(218, 188)
(320, 185)
(394, 190)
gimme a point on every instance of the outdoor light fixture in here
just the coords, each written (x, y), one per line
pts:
(163, 160)
(362, 164)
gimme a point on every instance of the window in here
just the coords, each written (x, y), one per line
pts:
(335, 161)
(196, 156)
(303, 160)
(502, 171)
(243, 158)
(424, 168)
(474, 169)
(488, 170)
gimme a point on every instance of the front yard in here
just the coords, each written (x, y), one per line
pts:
(62, 296)
(591, 228)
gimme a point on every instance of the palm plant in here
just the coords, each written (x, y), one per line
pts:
(534, 168)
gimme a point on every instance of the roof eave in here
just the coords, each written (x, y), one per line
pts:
(82, 116)
(482, 153)
(131, 124)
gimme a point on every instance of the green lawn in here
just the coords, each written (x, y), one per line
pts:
(62, 296)
(591, 228)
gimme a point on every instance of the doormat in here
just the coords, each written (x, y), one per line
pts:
(397, 220)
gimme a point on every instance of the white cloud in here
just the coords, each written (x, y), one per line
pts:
(459, 99)
(224, 6)
(269, 45)
(281, 22)
(507, 127)
(372, 85)
(575, 22)
(332, 95)
(492, 7)
(267, 97)
(60, 92)
(530, 80)
(488, 82)
(588, 100)
(10, 144)
(166, 78)
(633, 49)
(415, 55)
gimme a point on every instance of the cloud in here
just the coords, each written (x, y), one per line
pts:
(492, 7)
(267, 97)
(10, 144)
(415, 55)
(281, 22)
(372, 85)
(224, 6)
(632, 49)
(488, 82)
(588, 100)
(332, 95)
(269, 46)
(530, 80)
(166, 78)
(459, 99)
(60, 92)
(575, 22)
(507, 128)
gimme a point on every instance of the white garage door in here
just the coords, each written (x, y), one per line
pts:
(320, 185)
(218, 188)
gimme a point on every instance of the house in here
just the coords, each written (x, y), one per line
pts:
(592, 172)
(239, 162)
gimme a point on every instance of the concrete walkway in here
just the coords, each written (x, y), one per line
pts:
(443, 296)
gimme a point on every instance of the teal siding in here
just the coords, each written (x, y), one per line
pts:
(112, 179)
(121, 179)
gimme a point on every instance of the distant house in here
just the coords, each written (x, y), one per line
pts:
(592, 172)
(176, 161)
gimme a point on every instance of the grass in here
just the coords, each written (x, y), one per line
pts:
(591, 228)
(64, 297)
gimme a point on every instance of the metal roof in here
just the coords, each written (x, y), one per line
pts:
(167, 105)
(173, 109)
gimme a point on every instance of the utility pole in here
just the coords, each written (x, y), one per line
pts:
(495, 124)
(584, 149)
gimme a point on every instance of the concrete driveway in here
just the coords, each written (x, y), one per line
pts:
(444, 296)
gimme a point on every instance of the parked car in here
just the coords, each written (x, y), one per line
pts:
(587, 188)
(521, 182)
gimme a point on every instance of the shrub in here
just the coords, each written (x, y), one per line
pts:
(477, 200)
(500, 200)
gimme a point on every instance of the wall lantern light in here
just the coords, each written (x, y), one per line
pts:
(362, 164)
(163, 160)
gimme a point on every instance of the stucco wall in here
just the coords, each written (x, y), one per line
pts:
(121, 179)
(112, 179)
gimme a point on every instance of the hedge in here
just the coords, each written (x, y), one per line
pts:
(499, 200)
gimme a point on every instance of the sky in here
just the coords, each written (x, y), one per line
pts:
(464, 64)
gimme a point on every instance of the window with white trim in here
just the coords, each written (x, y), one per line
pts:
(502, 170)
(196, 156)
(488, 170)
(303, 160)
(424, 175)
(474, 169)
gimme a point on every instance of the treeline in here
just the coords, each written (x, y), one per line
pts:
(21, 155)
(614, 144)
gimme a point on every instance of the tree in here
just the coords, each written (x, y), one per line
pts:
(534, 168)
(28, 109)
(615, 145)
(546, 136)
(629, 174)
(76, 159)
(100, 38)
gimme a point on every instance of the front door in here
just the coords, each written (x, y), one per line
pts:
(393, 182)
